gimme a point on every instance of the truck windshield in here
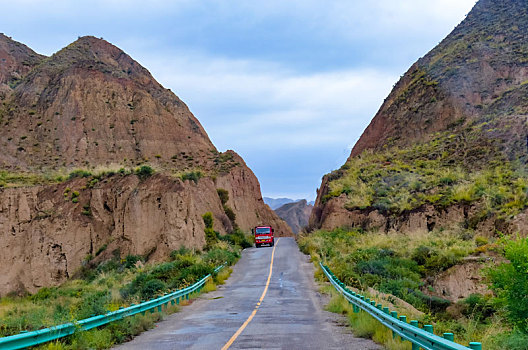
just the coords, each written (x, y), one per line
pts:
(262, 230)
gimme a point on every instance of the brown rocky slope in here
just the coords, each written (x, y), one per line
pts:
(448, 145)
(91, 106)
(296, 214)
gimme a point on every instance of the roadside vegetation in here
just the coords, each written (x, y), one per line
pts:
(116, 283)
(21, 179)
(399, 267)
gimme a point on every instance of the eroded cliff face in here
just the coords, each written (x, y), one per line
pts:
(246, 200)
(46, 237)
(91, 106)
(333, 213)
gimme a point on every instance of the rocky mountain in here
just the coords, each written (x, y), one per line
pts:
(99, 160)
(296, 214)
(449, 144)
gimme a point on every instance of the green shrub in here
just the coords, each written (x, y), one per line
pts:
(152, 287)
(510, 282)
(176, 254)
(192, 176)
(92, 303)
(45, 293)
(223, 194)
(131, 260)
(101, 249)
(217, 257)
(208, 219)
(515, 340)
(144, 172)
(237, 237)
(86, 210)
(230, 214)
(79, 173)
(479, 307)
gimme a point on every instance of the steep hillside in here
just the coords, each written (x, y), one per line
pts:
(92, 107)
(90, 104)
(295, 214)
(449, 144)
(478, 72)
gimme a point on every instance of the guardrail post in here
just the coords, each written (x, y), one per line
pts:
(172, 301)
(355, 308)
(449, 336)
(187, 296)
(428, 328)
(415, 324)
(395, 315)
(178, 300)
(475, 345)
(379, 306)
(403, 318)
(373, 303)
(386, 310)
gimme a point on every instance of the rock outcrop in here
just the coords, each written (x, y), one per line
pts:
(295, 214)
(93, 107)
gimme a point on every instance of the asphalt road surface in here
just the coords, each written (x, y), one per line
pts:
(290, 316)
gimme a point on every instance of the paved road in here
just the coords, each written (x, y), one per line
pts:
(291, 315)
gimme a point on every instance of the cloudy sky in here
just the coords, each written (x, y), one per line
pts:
(288, 84)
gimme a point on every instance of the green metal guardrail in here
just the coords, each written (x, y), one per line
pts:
(420, 338)
(27, 339)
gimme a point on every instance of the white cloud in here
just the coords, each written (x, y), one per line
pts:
(237, 100)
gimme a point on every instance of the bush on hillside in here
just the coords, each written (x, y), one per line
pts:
(510, 282)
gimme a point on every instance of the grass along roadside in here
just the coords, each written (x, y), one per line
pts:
(363, 325)
(113, 284)
(124, 330)
(399, 265)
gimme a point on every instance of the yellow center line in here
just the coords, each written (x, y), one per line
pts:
(244, 325)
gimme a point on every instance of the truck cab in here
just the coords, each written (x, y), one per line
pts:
(264, 236)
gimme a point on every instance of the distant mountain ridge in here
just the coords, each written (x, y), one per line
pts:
(275, 203)
(296, 214)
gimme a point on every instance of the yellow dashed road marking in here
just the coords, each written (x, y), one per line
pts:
(244, 325)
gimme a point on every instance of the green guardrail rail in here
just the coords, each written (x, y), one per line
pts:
(27, 339)
(420, 338)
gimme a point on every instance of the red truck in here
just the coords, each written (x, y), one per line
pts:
(263, 236)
